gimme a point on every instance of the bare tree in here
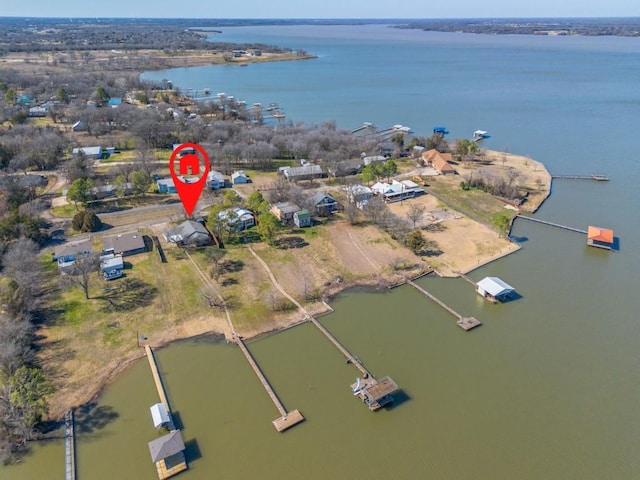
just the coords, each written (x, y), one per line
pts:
(415, 213)
(22, 265)
(81, 271)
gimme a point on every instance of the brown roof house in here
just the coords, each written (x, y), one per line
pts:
(439, 161)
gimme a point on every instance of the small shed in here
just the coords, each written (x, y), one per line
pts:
(600, 237)
(159, 415)
(494, 289)
(302, 218)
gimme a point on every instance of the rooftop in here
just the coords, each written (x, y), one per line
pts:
(600, 234)
(165, 446)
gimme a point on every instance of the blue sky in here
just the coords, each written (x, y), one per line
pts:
(321, 9)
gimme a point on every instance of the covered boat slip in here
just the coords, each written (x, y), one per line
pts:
(376, 393)
(494, 289)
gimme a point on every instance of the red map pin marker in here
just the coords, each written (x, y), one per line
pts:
(189, 164)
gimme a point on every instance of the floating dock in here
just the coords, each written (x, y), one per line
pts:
(466, 323)
(69, 446)
(286, 419)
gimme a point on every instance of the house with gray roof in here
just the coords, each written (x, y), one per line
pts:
(324, 203)
(66, 254)
(216, 180)
(188, 233)
(284, 211)
(91, 152)
(306, 172)
(124, 244)
(239, 177)
(237, 218)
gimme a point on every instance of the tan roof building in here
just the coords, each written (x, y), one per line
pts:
(439, 161)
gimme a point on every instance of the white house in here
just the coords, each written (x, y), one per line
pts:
(237, 218)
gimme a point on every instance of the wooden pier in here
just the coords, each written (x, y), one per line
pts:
(350, 358)
(169, 460)
(466, 323)
(551, 224)
(286, 419)
(159, 386)
(374, 392)
(597, 178)
(69, 446)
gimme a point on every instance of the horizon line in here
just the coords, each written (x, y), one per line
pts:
(320, 18)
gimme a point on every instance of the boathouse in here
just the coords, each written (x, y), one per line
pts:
(600, 237)
(376, 393)
(167, 453)
(494, 289)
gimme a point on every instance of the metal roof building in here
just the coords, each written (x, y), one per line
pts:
(494, 288)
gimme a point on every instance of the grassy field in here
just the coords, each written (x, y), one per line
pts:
(474, 203)
(89, 339)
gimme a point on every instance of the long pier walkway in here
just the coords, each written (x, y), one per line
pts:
(596, 177)
(350, 358)
(466, 323)
(551, 224)
(159, 386)
(287, 419)
(69, 446)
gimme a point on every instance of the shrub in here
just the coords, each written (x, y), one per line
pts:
(86, 221)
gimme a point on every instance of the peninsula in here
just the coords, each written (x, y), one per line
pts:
(84, 151)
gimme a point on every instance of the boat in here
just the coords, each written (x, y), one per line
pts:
(480, 135)
(357, 387)
(440, 131)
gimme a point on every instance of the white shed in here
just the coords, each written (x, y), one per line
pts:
(494, 288)
(159, 415)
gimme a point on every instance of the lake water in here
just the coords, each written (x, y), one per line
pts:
(546, 388)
